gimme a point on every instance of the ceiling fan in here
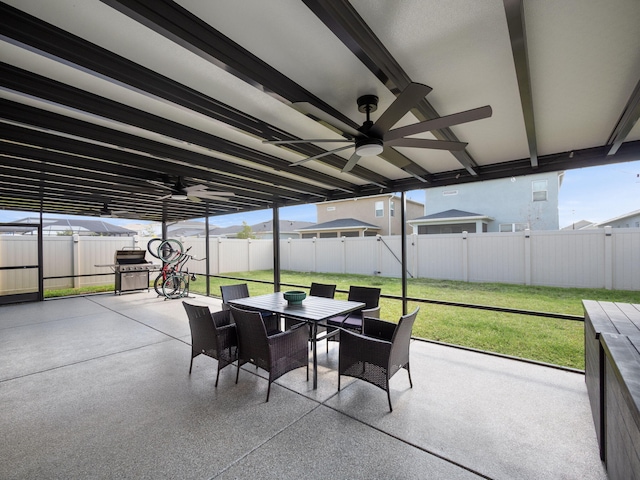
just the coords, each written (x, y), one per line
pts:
(105, 212)
(195, 193)
(372, 139)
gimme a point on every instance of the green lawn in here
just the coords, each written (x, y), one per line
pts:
(560, 342)
(555, 341)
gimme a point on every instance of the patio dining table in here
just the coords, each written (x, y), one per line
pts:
(312, 310)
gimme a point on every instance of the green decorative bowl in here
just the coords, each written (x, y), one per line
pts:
(294, 297)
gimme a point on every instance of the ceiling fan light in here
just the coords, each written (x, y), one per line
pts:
(369, 148)
(179, 196)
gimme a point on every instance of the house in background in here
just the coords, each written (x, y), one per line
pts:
(343, 227)
(503, 205)
(262, 230)
(288, 229)
(360, 217)
(628, 220)
(69, 226)
(581, 225)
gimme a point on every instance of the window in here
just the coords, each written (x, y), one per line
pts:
(379, 209)
(331, 209)
(513, 227)
(392, 208)
(448, 193)
(539, 188)
(349, 234)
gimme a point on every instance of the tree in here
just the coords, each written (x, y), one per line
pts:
(246, 231)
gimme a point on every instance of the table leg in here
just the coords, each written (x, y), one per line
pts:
(314, 346)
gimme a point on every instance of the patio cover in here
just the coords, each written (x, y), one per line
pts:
(109, 102)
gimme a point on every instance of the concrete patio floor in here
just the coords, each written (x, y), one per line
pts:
(98, 387)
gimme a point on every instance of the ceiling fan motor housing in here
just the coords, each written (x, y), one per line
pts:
(369, 146)
(367, 103)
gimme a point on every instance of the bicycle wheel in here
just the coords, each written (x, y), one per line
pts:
(175, 286)
(152, 246)
(157, 285)
(170, 251)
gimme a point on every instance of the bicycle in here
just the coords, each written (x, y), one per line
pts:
(174, 258)
(176, 284)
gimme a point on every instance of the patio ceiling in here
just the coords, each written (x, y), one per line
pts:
(101, 98)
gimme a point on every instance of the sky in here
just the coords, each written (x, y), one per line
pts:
(595, 194)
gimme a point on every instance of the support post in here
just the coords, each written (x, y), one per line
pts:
(276, 247)
(40, 258)
(403, 235)
(206, 249)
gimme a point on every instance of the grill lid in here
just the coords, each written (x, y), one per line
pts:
(129, 257)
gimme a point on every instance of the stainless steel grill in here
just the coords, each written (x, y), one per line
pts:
(131, 270)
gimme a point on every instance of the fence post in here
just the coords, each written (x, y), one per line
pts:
(378, 270)
(608, 258)
(527, 256)
(315, 255)
(465, 257)
(414, 255)
(219, 255)
(249, 253)
(76, 259)
(344, 255)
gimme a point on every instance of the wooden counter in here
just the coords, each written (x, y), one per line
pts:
(612, 375)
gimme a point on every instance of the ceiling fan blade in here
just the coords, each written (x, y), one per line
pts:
(316, 140)
(158, 184)
(439, 123)
(351, 163)
(165, 197)
(194, 199)
(407, 100)
(206, 196)
(427, 143)
(323, 154)
(325, 119)
(197, 189)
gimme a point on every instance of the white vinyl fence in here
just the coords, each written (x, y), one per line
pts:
(598, 258)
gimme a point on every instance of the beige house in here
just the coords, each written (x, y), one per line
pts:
(361, 217)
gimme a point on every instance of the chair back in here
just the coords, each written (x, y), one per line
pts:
(233, 292)
(401, 339)
(203, 331)
(252, 337)
(322, 290)
(368, 295)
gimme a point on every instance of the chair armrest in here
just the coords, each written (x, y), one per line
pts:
(221, 318)
(371, 312)
(374, 327)
(367, 349)
(227, 336)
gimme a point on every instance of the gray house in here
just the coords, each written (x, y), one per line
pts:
(628, 220)
(504, 205)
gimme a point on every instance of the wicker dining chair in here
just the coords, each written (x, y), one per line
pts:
(213, 335)
(277, 354)
(241, 290)
(379, 353)
(370, 296)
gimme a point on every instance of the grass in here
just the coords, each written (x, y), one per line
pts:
(556, 341)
